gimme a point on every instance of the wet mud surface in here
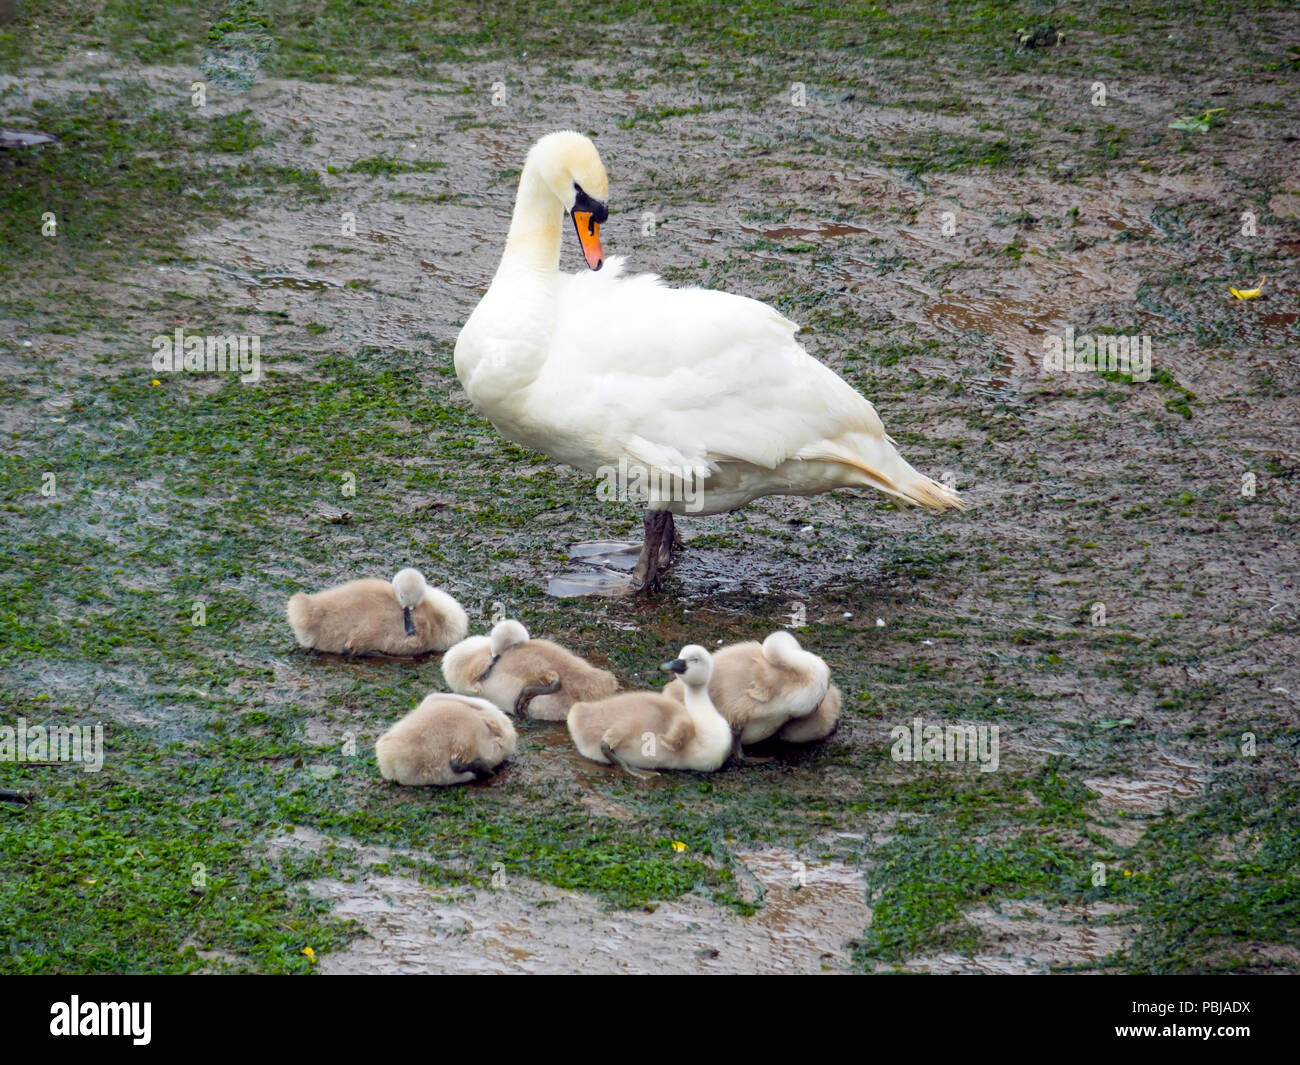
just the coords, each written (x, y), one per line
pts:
(371, 216)
(809, 912)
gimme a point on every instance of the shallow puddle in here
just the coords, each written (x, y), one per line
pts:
(577, 583)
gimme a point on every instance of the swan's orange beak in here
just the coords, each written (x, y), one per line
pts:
(589, 237)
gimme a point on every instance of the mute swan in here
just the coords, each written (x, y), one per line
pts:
(758, 688)
(522, 675)
(652, 731)
(706, 398)
(369, 616)
(447, 739)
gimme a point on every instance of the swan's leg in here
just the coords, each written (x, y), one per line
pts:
(653, 558)
(530, 691)
(738, 755)
(616, 759)
(737, 750)
(667, 542)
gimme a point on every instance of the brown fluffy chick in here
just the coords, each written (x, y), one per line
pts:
(521, 675)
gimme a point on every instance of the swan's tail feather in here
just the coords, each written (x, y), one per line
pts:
(934, 495)
(901, 481)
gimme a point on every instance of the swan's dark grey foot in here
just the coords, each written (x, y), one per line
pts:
(738, 755)
(529, 692)
(476, 767)
(616, 759)
(656, 552)
(15, 797)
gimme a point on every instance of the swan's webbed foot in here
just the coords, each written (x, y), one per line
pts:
(476, 767)
(617, 759)
(737, 750)
(16, 797)
(529, 692)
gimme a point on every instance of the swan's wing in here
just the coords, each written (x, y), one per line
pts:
(679, 732)
(689, 377)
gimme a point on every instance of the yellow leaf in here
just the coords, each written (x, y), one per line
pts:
(155, 381)
(679, 846)
(311, 954)
(1248, 293)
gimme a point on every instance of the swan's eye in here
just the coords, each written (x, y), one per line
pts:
(582, 203)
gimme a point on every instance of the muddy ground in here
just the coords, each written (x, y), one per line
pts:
(943, 199)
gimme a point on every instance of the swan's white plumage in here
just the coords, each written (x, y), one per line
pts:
(598, 366)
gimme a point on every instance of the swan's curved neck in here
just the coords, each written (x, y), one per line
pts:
(533, 243)
(699, 705)
(785, 653)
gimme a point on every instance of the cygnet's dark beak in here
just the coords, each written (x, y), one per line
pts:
(675, 666)
(491, 665)
(408, 621)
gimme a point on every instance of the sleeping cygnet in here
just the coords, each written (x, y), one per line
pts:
(522, 675)
(370, 616)
(648, 730)
(447, 739)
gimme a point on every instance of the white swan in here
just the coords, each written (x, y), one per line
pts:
(707, 394)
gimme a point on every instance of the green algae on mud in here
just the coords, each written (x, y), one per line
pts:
(198, 490)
